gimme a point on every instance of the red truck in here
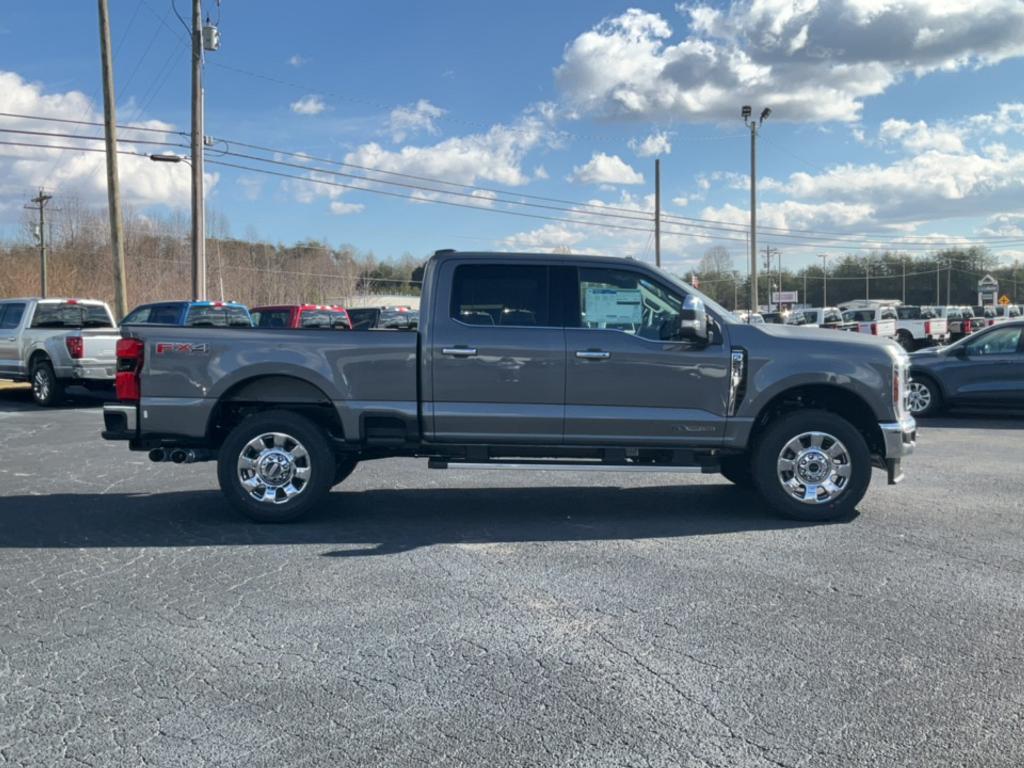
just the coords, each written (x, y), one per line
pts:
(301, 316)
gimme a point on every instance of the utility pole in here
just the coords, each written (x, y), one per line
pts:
(754, 126)
(867, 277)
(657, 212)
(198, 210)
(904, 260)
(40, 203)
(824, 279)
(949, 277)
(768, 253)
(938, 273)
(113, 184)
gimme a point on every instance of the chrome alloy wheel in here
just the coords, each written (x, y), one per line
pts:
(41, 384)
(814, 467)
(274, 468)
(919, 397)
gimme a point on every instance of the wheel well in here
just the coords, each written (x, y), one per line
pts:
(274, 392)
(35, 357)
(825, 397)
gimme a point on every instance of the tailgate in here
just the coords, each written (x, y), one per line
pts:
(99, 347)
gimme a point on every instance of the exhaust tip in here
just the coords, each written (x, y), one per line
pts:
(179, 456)
(158, 454)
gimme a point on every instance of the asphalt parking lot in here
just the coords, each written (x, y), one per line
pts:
(485, 618)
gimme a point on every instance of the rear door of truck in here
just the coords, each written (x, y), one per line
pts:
(497, 350)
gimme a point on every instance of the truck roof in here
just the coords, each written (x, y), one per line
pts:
(448, 253)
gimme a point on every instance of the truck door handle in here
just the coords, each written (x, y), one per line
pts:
(459, 351)
(593, 354)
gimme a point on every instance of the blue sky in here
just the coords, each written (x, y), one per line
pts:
(892, 122)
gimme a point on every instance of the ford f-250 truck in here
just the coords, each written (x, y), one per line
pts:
(56, 343)
(524, 361)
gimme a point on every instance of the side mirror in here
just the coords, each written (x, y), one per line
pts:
(690, 325)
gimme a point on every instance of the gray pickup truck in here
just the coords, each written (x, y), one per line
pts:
(524, 361)
(56, 343)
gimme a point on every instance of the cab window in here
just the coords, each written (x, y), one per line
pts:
(627, 301)
(500, 295)
(10, 315)
(888, 313)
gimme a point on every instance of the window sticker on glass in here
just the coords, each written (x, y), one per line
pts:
(613, 306)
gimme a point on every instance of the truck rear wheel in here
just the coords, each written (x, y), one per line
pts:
(812, 465)
(275, 466)
(47, 389)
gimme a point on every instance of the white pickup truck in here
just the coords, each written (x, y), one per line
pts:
(920, 327)
(55, 343)
(874, 320)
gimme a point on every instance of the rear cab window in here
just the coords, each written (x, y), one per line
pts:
(323, 318)
(220, 317)
(71, 315)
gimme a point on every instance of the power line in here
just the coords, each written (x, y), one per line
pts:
(90, 122)
(815, 238)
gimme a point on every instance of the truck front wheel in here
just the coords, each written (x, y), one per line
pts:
(275, 466)
(812, 465)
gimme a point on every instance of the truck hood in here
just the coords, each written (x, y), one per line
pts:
(835, 339)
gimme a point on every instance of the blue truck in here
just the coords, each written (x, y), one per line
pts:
(222, 314)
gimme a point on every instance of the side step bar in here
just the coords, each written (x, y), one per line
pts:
(579, 466)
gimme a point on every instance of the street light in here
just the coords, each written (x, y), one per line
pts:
(746, 113)
(169, 157)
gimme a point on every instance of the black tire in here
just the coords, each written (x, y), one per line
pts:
(774, 444)
(905, 340)
(343, 467)
(47, 389)
(925, 397)
(736, 469)
(289, 502)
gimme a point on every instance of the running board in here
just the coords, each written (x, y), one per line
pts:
(567, 466)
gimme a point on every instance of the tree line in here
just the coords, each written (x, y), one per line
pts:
(158, 263)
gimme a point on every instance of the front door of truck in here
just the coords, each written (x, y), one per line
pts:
(497, 355)
(626, 382)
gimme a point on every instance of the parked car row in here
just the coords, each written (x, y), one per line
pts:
(56, 343)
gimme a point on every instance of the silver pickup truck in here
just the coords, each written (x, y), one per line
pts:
(56, 343)
(524, 361)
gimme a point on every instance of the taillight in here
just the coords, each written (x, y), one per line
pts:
(129, 365)
(874, 329)
(927, 327)
(75, 346)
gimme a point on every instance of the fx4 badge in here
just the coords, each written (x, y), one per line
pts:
(163, 347)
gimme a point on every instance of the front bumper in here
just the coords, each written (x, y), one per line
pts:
(900, 439)
(120, 422)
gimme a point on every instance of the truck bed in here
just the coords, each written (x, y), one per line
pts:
(186, 371)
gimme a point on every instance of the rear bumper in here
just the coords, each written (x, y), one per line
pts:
(120, 422)
(900, 440)
(87, 372)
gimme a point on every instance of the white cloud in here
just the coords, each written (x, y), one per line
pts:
(308, 105)
(550, 237)
(495, 155)
(810, 60)
(79, 174)
(606, 169)
(920, 137)
(657, 144)
(343, 209)
(681, 201)
(297, 61)
(421, 116)
(251, 186)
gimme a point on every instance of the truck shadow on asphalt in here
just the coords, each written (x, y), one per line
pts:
(384, 522)
(16, 398)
